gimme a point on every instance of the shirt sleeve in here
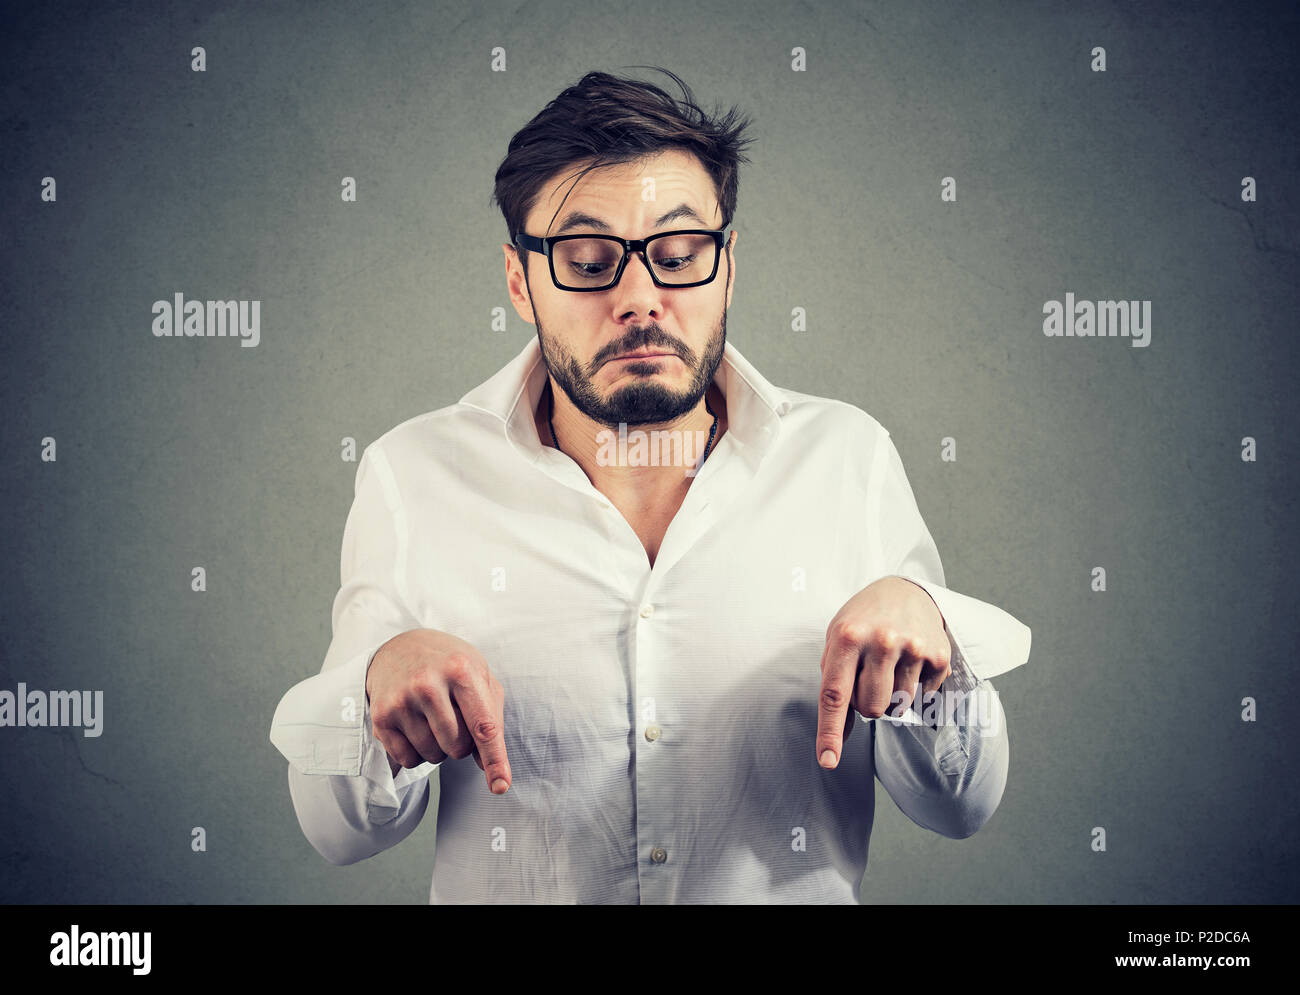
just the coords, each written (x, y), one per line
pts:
(348, 803)
(945, 767)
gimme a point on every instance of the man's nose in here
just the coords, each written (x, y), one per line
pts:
(637, 285)
(635, 257)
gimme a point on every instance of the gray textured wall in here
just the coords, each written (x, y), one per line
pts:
(1073, 453)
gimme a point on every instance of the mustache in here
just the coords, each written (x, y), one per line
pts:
(650, 337)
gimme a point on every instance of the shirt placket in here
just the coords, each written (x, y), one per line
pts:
(660, 852)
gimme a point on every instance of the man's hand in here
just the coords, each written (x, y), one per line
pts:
(432, 697)
(887, 637)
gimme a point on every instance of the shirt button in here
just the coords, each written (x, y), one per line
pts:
(658, 855)
(647, 611)
(652, 733)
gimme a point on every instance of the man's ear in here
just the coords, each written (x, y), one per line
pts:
(517, 285)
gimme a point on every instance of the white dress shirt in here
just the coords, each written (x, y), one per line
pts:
(660, 723)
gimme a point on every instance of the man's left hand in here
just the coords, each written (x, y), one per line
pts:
(888, 637)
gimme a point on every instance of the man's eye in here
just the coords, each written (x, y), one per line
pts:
(671, 263)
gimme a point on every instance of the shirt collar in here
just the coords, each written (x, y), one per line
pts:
(754, 405)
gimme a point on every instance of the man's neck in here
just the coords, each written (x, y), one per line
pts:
(606, 463)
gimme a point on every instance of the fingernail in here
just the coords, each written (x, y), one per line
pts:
(828, 758)
(499, 786)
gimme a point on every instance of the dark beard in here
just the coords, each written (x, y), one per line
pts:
(644, 401)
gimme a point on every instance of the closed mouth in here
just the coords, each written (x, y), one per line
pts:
(645, 355)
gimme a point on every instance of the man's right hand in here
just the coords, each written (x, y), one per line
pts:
(432, 697)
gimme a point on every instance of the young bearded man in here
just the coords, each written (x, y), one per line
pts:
(643, 588)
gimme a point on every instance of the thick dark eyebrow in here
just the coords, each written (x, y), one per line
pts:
(578, 219)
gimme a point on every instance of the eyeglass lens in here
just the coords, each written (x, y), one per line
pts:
(587, 263)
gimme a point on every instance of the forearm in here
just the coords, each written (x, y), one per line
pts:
(344, 819)
(350, 801)
(947, 779)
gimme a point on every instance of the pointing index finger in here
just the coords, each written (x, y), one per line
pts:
(839, 672)
(486, 721)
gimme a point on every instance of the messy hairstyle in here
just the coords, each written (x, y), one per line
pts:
(608, 120)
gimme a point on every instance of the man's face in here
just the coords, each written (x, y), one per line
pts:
(581, 334)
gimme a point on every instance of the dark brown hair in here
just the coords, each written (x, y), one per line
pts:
(607, 120)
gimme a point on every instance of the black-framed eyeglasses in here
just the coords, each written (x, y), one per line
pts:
(582, 263)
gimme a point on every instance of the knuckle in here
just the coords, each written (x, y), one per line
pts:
(887, 638)
(457, 667)
(850, 631)
(425, 686)
(486, 729)
(832, 697)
